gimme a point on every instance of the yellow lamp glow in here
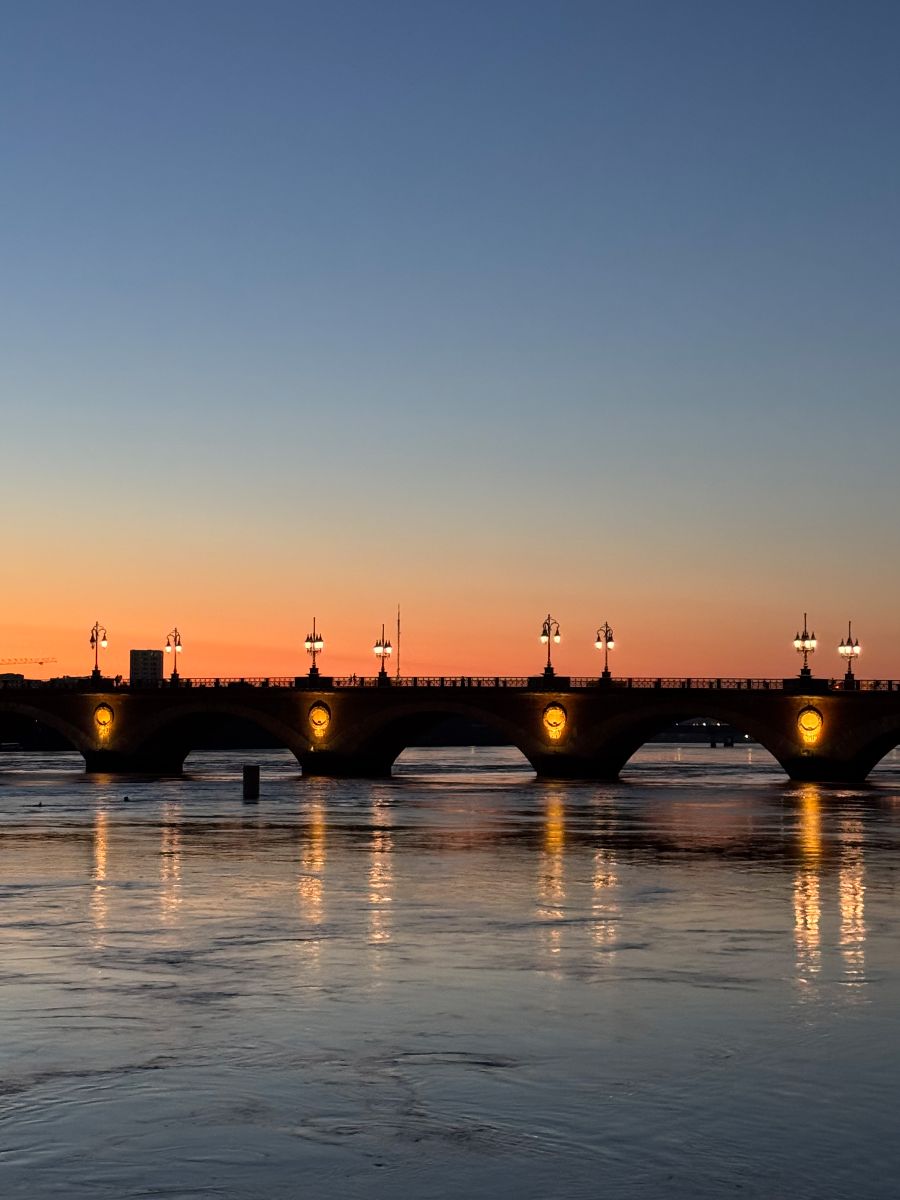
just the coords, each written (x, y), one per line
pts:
(554, 721)
(319, 719)
(104, 716)
(103, 719)
(810, 722)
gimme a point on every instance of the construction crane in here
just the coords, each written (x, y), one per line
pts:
(23, 662)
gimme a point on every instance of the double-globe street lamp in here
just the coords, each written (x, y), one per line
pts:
(98, 639)
(383, 650)
(805, 643)
(314, 644)
(550, 634)
(849, 650)
(173, 646)
(605, 642)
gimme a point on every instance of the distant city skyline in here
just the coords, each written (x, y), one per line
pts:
(486, 309)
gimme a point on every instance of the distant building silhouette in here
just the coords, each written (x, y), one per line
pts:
(146, 667)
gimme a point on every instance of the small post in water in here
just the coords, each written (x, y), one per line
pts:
(251, 781)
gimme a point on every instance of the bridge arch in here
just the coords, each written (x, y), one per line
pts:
(621, 736)
(167, 738)
(17, 715)
(877, 747)
(380, 737)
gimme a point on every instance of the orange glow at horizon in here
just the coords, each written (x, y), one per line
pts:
(221, 638)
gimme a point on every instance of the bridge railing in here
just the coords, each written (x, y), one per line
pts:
(693, 683)
(438, 681)
(520, 682)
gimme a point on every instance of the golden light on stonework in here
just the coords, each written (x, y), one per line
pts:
(103, 719)
(810, 723)
(319, 719)
(554, 721)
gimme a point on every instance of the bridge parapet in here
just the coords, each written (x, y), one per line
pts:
(520, 682)
(567, 728)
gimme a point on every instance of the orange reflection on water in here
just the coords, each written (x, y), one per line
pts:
(551, 879)
(604, 906)
(381, 879)
(170, 863)
(311, 883)
(852, 893)
(99, 903)
(807, 890)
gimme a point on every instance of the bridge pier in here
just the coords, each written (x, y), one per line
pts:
(818, 769)
(330, 764)
(116, 762)
(601, 768)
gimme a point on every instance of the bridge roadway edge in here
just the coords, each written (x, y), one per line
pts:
(564, 732)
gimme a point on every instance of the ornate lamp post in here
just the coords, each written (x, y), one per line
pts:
(314, 645)
(173, 645)
(98, 639)
(549, 634)
(848, 650)
(605, 642)
(383, 651)
(805, 643)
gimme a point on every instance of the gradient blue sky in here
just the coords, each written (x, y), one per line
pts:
(486, 307)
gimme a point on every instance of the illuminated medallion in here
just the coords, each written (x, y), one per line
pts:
(103, 719)
(554, 721)
(104, 716)
(810, 722)
(319, 719)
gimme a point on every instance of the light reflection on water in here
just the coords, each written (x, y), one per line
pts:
(460, 981)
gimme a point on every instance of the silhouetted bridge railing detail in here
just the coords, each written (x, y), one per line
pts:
(567, 727)
(521, 682)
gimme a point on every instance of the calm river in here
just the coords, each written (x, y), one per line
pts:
(460, 982)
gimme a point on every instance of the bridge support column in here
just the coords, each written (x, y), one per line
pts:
(328, 764)
(117, 762)
(816, 769)
(571, 766)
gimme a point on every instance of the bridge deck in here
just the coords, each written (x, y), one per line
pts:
(558, 683)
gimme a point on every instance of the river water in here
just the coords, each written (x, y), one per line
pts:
(459, 982)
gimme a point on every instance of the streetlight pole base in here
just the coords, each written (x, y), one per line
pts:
(850, 684)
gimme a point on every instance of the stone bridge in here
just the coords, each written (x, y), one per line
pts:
(567, 729)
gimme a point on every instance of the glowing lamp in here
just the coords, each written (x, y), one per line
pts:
(314, 645)
(605, 642)
(849, 649)
(173, 642)
(805, 643)
(383, 650)
(98, 641)
(549, 632)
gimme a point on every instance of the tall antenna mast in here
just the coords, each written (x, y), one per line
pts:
(398, 641)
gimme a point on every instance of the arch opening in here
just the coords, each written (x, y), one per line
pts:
(695, 741)
(443, 740)
(28, 742)
(203, 741)
(881, 758)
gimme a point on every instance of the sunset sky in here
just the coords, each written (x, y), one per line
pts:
(487, 308)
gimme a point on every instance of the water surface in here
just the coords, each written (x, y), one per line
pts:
(459, 982)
